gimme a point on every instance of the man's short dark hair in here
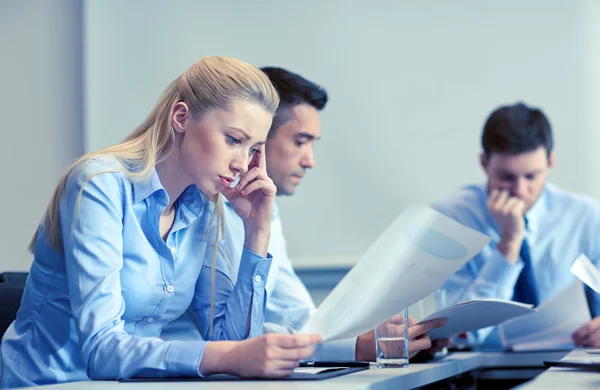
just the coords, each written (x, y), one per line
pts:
(293, 90)
(516, 129)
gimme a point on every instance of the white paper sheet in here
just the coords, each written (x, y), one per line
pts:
(476, 314)
(585, 270)
(315, 370)
(411, 259)
(552, 325)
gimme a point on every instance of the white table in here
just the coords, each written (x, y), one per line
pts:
(393, 378)
(565, 378)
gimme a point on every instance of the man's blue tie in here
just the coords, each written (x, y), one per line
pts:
(525, 289)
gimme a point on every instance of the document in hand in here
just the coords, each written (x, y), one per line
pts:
(411, 259)
(551, 325)
(585, 270)
(476, 314)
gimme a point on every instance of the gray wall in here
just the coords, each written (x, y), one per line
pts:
(410, 83)
(41, 109)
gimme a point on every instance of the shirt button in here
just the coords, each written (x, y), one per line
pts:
(173, 250)
(170, 288)
(150, 319)
(257, 278)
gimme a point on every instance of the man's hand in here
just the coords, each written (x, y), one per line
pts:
(509, 213)
(365, 347)
(588, 335)
(418, 339)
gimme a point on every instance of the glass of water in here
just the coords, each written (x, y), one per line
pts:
(391, 339)
(441, 301)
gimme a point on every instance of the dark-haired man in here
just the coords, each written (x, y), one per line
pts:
(538, 229)
(290, 154)
(295, 129)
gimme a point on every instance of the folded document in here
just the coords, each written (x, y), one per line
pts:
(521, 327)
(476, 314)
(552, 325)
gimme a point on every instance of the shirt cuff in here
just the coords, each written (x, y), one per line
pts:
(339, 350)
(499, 271)
(254, 269)
(184, 357)
(330, 350)
(253, 273)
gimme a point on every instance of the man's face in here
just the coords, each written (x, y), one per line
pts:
(522, 175)
(291, 151)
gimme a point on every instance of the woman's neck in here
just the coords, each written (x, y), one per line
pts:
(173, 178)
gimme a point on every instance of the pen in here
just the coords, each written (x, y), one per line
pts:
(335, 363)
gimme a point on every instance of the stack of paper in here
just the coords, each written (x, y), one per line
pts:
(476, 314)
(552, 325)
(410, 260)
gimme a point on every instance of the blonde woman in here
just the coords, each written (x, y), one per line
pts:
(120, 251)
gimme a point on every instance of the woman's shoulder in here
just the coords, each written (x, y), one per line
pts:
(103, 173)
(94, 166)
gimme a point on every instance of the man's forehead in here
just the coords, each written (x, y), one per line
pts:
(518, 164)
(535, 156)
(307, 135)
(299, 128)
(518, 169)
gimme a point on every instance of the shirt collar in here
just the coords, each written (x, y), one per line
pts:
(143, 189)
(191, 197)
(536, 212)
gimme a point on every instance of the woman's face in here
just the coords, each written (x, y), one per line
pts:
(219, 146)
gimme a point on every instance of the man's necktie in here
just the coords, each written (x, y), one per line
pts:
(525, 289)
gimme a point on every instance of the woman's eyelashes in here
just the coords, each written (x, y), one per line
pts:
(232, 140)
(236, 141)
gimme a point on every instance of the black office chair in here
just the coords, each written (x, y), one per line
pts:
(14, 278)
(12, 285)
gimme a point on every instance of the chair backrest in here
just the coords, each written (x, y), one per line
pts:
(12, 285)
(14, 278)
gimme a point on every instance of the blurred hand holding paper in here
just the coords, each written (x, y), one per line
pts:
(585, 270)
(410, 260)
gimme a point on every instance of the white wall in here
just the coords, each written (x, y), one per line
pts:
(41, 109)
(591, 42)
(410, 85)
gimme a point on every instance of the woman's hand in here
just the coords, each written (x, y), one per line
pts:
(253, 199)
(267, 356)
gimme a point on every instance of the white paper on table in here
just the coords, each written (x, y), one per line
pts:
(476, 314)
(315, 370)
(552, 325)
(411, 259)
(585, 270)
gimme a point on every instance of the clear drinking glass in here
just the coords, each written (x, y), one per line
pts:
(441, 302)
(391, 339)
